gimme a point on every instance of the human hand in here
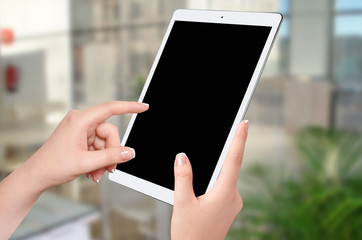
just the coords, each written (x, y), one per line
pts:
(210, 215)
(82, 143)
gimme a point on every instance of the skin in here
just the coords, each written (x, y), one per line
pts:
(210, 215)
(84, 143)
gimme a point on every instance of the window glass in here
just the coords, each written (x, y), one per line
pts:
(285, 6)
(347, 59)
(347, 67)
(284, 43)
(348, 5)
(284, 36)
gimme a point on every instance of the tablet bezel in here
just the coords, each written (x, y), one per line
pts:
(272, 20)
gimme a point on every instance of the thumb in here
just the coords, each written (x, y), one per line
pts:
(107, 157)
(184, 191)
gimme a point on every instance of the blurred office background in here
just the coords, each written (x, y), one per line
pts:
(302, 170)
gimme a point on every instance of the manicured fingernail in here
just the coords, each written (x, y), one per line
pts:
(181, 159)
(114, 169)
(146, 104)
(128, 154)
(99, 179)
(246, 122)
(90, 175)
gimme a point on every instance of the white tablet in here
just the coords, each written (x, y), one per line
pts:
(199, 88)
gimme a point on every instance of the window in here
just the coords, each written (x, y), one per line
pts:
(347, 66)
(347, 63)
(284, 37)
(348, 5)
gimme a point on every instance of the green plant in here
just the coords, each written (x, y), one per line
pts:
(322, 200)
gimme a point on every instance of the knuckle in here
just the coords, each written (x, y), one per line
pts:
(109, 103)
(183, 173)
(236, 158)
(72, 116)
(238, 154)
(235, 202)
(238, 202)
(72, 112)
(234, 199)
(113, 128)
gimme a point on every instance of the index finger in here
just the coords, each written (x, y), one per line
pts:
(102, 112)
(230, 171)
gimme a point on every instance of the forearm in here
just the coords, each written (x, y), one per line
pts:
(18, 193)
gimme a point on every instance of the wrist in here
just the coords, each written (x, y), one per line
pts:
(18, 193)
(28, 174)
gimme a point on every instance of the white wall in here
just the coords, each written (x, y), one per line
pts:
(42, 26)
(35, 17)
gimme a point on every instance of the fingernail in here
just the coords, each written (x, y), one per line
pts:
(146, 104)
(128, 154)
(90, 175)
(114, 169)
(246, 122)
(99, 179)
(181, 159)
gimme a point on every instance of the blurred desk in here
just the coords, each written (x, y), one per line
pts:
(54, 217)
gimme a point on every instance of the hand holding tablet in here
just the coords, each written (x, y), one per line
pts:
(208, 216)
(199, 87)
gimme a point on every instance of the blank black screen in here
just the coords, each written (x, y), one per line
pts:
(194, 96)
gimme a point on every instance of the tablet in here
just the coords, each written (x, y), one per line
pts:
(198, 89)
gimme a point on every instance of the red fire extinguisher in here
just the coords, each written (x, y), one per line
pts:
(11, 78)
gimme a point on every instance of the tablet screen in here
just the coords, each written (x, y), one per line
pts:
(194, 95)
